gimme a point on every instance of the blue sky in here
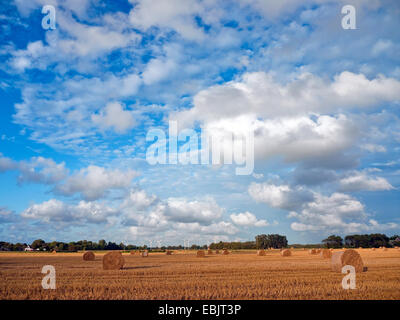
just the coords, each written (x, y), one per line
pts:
(78, 101)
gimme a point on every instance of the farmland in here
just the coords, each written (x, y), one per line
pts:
(182, 275)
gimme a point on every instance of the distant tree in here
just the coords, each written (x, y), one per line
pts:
(18, 247)
(38, 244)
(367, 240)
(333, 242)
(102, 244)
(394, 241)
(112, 246)
(264, 241)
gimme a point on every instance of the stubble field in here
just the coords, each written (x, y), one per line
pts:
(240, 275)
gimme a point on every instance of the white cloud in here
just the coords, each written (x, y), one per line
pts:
(157, 70)
(73, 39)
(204, 212)
(37, 169)
(259, 93)
(177, 15)
(93, 182)
(7, 164)
(138, 199)
(42, 170)
(336, 213)
(248, 219)
(360, 181)
(54, 211)
(314, 211)
(373, 147)
(7, 216)
(280, 196)
(114, 116)
(288, 119)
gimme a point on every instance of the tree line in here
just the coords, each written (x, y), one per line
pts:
(42, 245)
(374, 240)
(262, 241)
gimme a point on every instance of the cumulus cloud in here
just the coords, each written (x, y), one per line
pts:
(114, 116)
(7, 164)
(258, 93)
(290, 119)
(93, 182)
(203, 212)
(360, 181)
(280, 196)
(54, 211)
(338, 212)
(7, 216)
(315, 211)
(177, 15)
(36, 170)
(248, 219)
(138, 199)
(73, 39)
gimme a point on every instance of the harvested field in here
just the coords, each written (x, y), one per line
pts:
(239, 275)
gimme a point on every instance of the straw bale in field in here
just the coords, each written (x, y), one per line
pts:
(200, 253)
(286, 253)
(113, 261)
(225, 252)
(209, 251)
(348, 257)
(261, 252)
(312, 251)
(326, 254)
(145, 253)
(168, 252)
(88, 256)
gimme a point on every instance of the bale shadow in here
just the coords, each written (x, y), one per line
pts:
(140, 267)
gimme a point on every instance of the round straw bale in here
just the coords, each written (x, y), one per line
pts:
(385, 249)
(133, 252)
(261, 252)
(326, 254)
(54, 251)
(349, 257)
(113, 261)
(168, 252)
(225, 252)
(200, 253)
(88, 256)
(145, 253)
(312, 251)
(286, 253)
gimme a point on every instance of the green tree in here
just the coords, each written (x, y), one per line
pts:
(38, 244)
(102, 244)
(264, 241)
(333, 242)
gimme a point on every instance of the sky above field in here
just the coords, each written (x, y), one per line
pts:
(77, 103)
